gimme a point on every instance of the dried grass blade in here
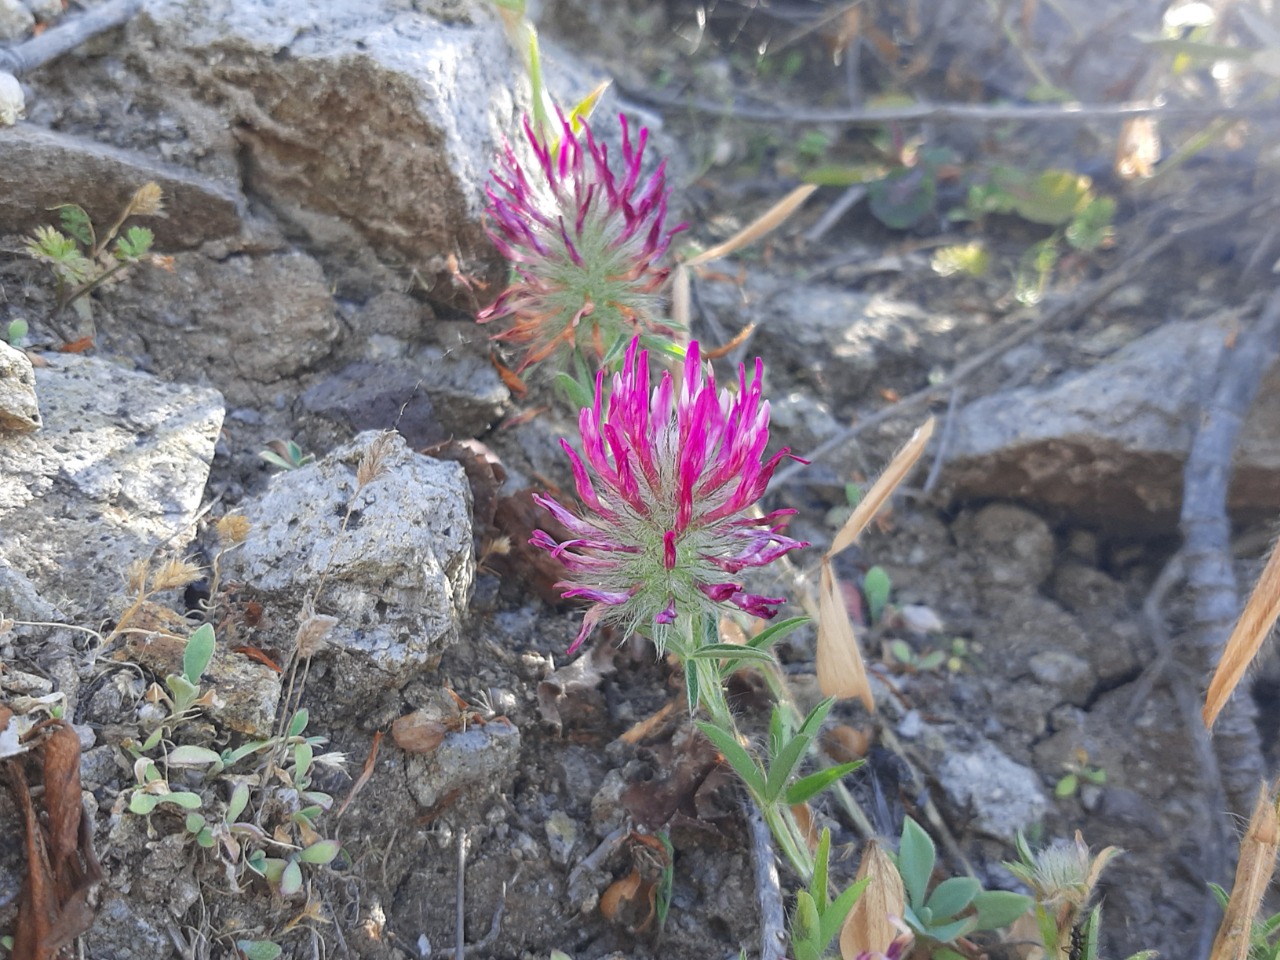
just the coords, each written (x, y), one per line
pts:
(681, 297)
(1255, 623)
(902, 463)
(1253, 875)
(769, 221)
(841, 670)
(869, 928)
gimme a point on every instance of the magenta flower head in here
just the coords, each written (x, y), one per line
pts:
(586, 242)
(665, 481)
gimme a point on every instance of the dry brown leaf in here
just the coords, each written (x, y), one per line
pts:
(841, 670)
(370, 762)
(1253, 627)
(763, 225)
(880, 491)
(1137, 148)
(1024, 937)
(417, 733)
(808, 826)
(1253, 875)
(870, 927)
(844, 744)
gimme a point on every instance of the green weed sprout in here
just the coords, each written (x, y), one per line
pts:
(956, 907)
(81, 260)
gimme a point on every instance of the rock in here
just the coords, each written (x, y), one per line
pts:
(390, 395)
(1003, 797)
(118, 469)
(1107, 446)
(1070, 674)
(13, 103)
(391, 559)
(246, 324)
(40, 169)
(468, 766)
(1012, 545)
(19, 409)
(16, 20)
(45, 10)
(365, 125)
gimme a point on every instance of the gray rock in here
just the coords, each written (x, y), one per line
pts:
(19, 409)
(1065, 672)
(1011, 545)
(398, 576)
(244, 324)
(390, 395)
(467, 766)
(118, 470)
(42, 168)
(1002, 796)
(45, 9)
(364, 124)
(1108, 445)
(13, 102)
(16, 20)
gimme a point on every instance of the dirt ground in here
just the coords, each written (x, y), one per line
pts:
(1038, 609)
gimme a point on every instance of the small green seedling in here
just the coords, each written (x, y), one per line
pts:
(876, 587)
(1077, 774)
(81, 260)
(954, 908)
(15, 333)
(286, 455)
(818, 919)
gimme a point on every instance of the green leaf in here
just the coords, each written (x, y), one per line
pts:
(729, 651)
(876, 586)
(134, 245)
(809, 787)
(783, 764)
(239, 800)
(152, 739)
(189, 755)
(259, 949)
(736, 755)
(1090, 934)
(322, 851)
(805, 927)
(772, 634)
(952, 895)
(143, 803)
(16, 332)
(290, 879)
(903, 198)
(948, 932)
(901, 651)
(302, 756)
(298, 722)
(1066, 787)
(999, 908)
(204, 839)
(813, 722)
(1092, 226)
(257, 862)
(76, 222)
(194, 823)
(692, 695)
(183, 798)
(931, 661)
(1050, 198)
(916, 856)
(577, 394)
(818, 882)
(198, 653)
(834, 916)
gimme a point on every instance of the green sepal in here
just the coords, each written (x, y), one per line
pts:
(916, 856)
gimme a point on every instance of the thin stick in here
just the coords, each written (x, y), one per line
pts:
(942, 112)
(1081, 302)
(66, 36)
(460, 914)
(944, 441)
(773, 923)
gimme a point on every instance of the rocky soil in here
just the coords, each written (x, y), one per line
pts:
(322, 167)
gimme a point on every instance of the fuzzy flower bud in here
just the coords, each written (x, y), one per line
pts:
(666, 480)
(586, 242)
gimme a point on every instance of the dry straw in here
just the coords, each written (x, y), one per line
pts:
(841, 671)
(1255, 623)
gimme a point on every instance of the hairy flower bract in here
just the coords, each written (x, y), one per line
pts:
(586, 242)
(666, 480)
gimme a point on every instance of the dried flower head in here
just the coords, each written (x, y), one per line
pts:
(232, 528)
(586, 243)
(666, 484)
(147, 201)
